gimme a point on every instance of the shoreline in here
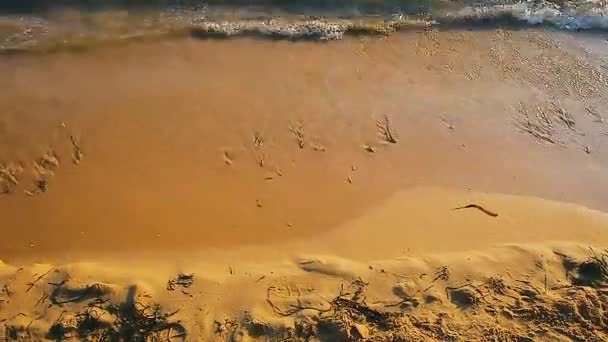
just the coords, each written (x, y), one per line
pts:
(431, 185)
(73, 30)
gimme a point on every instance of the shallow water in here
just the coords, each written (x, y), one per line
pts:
(76, 25)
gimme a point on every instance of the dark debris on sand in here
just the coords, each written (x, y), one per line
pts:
(496, 309)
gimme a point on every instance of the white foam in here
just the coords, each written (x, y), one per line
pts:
(544, 13)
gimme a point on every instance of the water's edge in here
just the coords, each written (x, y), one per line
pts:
(71, 28)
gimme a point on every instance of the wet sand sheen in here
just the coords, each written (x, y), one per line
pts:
(252, 190)
(170, 158)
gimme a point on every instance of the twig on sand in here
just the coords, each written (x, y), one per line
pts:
(228, 158)
(477, 206)
(76, 150)
(27, 328)
(42, 185)
(298, 132)
(370, 149)
(541, 127)
(258, 142)
(384, 128)
(592, 112)
(408, 299)
(587, 149)
(448, 124)
(318, 148)
(8, 178)
(541, 115)
(7, 290)
(42, 299)
(183, 280)
(565, 117)
(258, 139)
(8, 174)
(32, 284)
(442, 273)
(47, 163)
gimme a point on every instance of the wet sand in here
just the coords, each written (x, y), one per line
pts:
(167, 134)
(306, 190)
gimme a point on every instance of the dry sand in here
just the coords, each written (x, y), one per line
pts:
(263, 172)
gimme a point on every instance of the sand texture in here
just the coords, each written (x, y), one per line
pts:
(428, 185)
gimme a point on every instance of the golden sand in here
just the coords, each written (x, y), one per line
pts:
(310, 188)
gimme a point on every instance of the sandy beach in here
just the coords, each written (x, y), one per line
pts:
(427, 185)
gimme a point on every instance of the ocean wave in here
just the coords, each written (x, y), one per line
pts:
(534, 14)
(42, 34)
(322, 30)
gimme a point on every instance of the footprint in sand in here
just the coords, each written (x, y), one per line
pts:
(464, 297)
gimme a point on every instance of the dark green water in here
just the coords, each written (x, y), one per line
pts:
(350, 7)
